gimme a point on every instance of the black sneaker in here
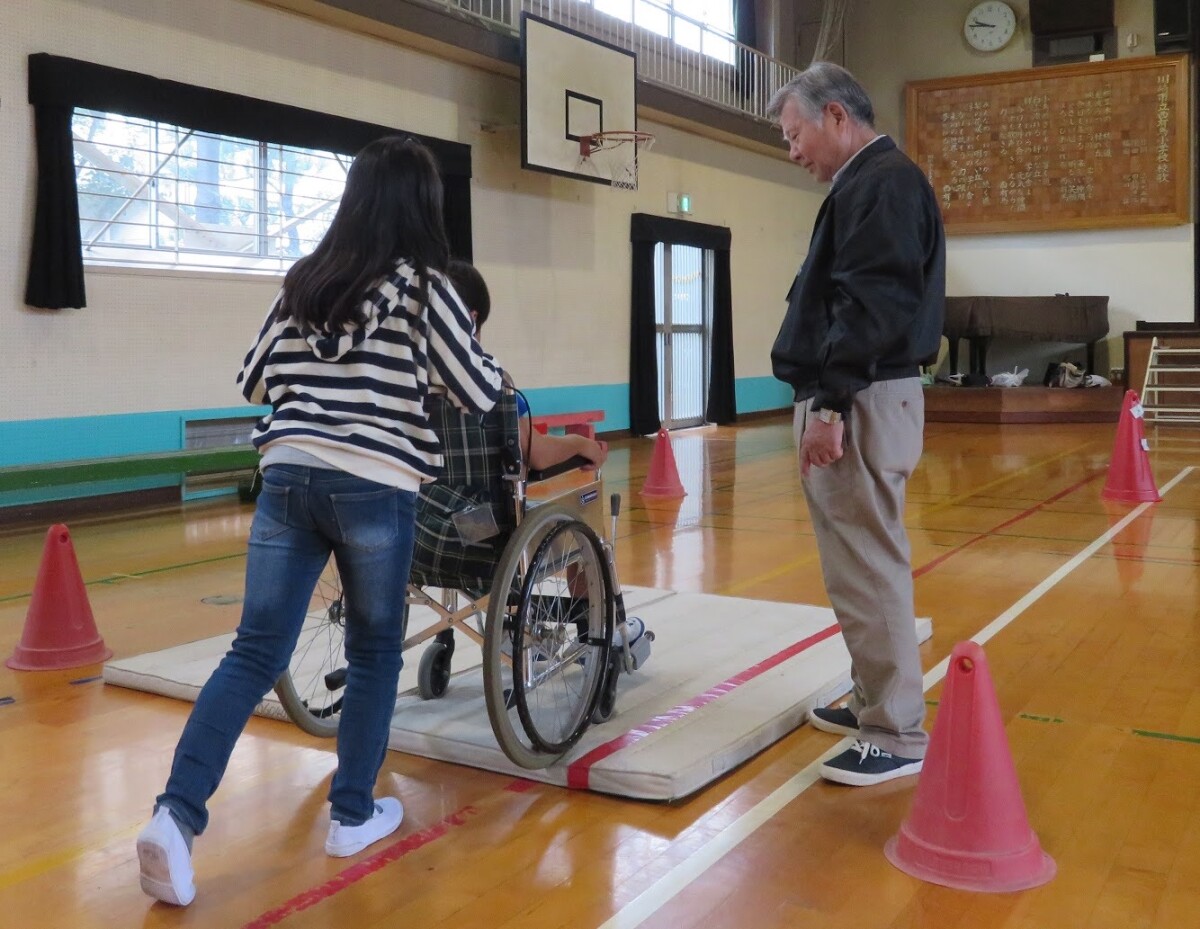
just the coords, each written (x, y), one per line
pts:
(839, 720)
(864, 764)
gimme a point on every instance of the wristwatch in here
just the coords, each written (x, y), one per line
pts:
(829, 416)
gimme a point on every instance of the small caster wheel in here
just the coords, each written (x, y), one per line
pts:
(433, 674)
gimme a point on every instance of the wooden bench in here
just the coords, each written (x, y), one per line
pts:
(574, 423)
(186, 461)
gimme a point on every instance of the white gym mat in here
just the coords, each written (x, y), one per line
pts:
(727, 677)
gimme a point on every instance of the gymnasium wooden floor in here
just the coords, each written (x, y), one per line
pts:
(1098, 681)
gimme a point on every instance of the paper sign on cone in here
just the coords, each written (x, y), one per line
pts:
(967, 827)
(60, 631)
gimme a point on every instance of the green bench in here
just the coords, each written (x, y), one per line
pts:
(233, 458)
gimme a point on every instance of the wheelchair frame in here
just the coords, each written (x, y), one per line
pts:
(550, 666)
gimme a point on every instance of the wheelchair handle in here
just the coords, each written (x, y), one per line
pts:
(571, 464)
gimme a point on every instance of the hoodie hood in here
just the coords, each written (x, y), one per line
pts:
(333, 346)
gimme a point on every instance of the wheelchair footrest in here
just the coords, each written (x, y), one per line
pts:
(639, 639)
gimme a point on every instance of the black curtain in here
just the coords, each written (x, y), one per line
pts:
(643, 359)
(645, 232)
(722, 402)
(57, 85)
(56, 257)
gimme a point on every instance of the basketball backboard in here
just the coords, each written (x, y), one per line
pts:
(572, 85)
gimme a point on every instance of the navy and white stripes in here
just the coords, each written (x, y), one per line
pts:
(355, 399)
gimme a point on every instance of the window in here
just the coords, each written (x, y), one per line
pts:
(704, 26)
(158, 195)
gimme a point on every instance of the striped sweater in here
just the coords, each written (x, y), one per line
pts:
(355, 399)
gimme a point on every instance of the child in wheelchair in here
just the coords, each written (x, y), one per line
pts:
(465, 518)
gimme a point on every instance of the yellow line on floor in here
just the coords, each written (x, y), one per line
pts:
(770, 575)
(44, 864)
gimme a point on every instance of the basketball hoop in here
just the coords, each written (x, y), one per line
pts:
(621, 161)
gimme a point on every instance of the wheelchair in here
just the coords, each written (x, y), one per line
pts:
(540, 596)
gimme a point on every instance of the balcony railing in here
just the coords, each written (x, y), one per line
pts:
(672, 49)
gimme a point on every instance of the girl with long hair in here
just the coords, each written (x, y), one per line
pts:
(361, 330)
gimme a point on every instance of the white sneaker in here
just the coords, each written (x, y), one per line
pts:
(165, 861)
(345, 840)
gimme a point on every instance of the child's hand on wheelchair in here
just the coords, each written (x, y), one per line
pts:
(596, 451)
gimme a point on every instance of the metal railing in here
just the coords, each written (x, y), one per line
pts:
(673, 50)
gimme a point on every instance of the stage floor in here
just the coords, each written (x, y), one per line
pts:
(1034, 404)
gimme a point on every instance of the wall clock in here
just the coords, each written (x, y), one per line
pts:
(990, 26)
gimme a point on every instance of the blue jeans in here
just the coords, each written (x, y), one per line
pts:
(303, 514)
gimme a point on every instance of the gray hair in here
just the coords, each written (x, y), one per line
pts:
(820, 83)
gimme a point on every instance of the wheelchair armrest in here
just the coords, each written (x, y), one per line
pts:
(571, 464)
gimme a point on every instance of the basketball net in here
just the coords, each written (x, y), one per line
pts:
(619, 155)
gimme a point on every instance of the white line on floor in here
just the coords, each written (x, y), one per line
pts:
(656, 896)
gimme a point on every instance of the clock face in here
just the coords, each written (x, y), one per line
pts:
(990, 26)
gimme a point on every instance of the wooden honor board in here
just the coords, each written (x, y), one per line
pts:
(1093, 145)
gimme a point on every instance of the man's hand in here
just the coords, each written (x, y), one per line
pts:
(821, 445)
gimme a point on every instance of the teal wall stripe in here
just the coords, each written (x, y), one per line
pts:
(762, 393)
(38, 441)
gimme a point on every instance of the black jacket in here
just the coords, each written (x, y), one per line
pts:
(868, 302)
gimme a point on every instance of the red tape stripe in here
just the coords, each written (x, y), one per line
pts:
(579, 772)
(358, 871)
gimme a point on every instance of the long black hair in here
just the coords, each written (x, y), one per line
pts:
(391, 209)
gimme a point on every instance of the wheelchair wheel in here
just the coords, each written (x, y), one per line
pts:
(433, 673)
(607, 704)
(311, 687)
(548, 636)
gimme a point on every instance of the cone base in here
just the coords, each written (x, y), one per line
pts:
(55, 659)
(1132, 496)
(662, 492)
(1004, 873)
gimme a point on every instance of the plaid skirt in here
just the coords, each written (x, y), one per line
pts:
(473, 448)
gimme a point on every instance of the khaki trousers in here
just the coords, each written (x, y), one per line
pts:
(857, 509)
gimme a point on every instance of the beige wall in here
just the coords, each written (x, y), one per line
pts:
(556, 251)
(1146, 272)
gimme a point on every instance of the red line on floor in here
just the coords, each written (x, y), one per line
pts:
(579, 772)
(929, 566)
(356, 872)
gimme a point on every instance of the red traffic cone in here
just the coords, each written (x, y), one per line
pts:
(967, 827)
(59, 629)
(663, 479)
(1129, 475)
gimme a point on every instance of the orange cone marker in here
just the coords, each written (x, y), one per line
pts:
(1129, 475)
(60, 631)
(967, 827)
(663, 479)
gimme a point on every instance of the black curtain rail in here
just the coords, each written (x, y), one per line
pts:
(68, 82)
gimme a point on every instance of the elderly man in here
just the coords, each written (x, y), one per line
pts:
(864, 311)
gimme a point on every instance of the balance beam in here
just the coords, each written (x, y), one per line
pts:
(574, 423)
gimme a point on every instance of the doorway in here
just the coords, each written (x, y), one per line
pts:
(683, 292)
